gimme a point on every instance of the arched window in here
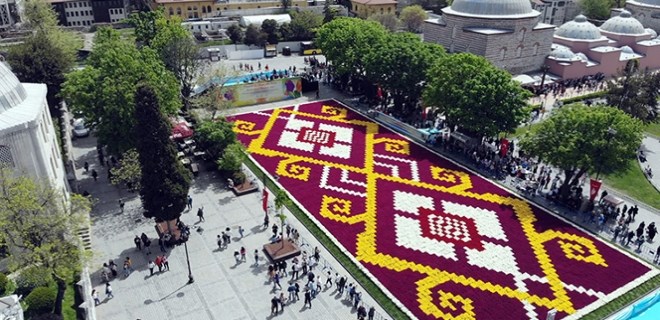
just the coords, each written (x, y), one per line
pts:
(521, 34)
(171, 11)
(203, 9)
(195, 8)
(208, 9)
(382, 10)
(454, 31)
(189, 9)
(6, 158)
(536, 48)
(502, 53)
(519, 51)
(178, 10)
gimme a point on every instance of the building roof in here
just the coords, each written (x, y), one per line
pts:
(12, 92)
(492, 8)
(259, 19)
(579, 28)
(374, 2)
(624, 23)
(563, 53)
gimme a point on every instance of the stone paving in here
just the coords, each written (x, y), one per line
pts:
(223, 289)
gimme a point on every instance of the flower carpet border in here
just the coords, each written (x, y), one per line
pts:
(440, 240)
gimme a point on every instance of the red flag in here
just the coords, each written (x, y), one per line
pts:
(265, 200)
(379, 93)
(504, 147)
(595, 187)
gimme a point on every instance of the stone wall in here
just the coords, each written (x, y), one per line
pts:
(648, 16)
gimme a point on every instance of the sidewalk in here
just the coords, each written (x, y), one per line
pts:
(651, 148)
(223, 289)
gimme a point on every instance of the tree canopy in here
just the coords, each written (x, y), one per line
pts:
(576, 139)
(235, 34)
(636, 93)
(596, 9)
(399, 65)
(165, 182)
(387, 20)
(475, 95)
(269, 27)
(129, 170)
(304, 24)
(254, 36)
(104, 90)
(38, 227)
(215, 135)
(413, 18)
(348, 41)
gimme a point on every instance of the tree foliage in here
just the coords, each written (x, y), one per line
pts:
(47, 55)
(475, 95)
(399, 65)
(329, 13)
(129, 171)
(413, 18)
(596, 9)
(213, 98)
(165, 182)
(387, 20)
(214, 136)
(304, 24)
(41, 300)
(576, 140)
(235, 33)
(344, 42)
(269, 27)
(254, 36)
(636, 93)
(232, 158)
(104, 90)
(39, 227)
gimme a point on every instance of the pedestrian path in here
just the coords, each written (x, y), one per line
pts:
(223, 288)
(651, 148)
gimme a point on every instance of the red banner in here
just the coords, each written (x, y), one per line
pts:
(504, 147)
(265, 200)
(595, 187)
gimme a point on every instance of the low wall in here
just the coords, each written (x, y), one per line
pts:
(245, 54)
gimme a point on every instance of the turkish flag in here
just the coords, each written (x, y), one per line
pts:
(595, 187)
(504, 147)
(265, 200)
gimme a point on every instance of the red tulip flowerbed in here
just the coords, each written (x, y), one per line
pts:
(444, 242)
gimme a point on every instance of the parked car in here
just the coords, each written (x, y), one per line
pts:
(79, 128)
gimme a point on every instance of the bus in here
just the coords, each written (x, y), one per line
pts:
(308, 48)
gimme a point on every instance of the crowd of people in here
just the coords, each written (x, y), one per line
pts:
(559, 87)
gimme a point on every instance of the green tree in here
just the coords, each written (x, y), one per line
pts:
(329, 13)
(281, 201)
(286, 32)
(304, 24)
(475, 95)
(254, 36)
(635, 92)
(596, 9)
(269, 27)
(387, 20)
(104, 90)
(580, 139)
(181, 57)
(235, 34)
(146, 25)
(343, 41)
(26, 207)
(47, 55)
(165, 182)
(232, 158)
(213, 98)
(413, 18)
(286, 4)
(129, 171)
(399, 65)
(214, 136)
(41, 300)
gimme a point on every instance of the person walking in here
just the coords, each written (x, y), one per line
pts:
(276, 281)
(240, 231)
(308, 299)
(95, 295)
(86, 166)
(256, 257)
(159, 263)
(200, 214)
(166, 263)
(266, 221)
(189, 202)
(243, 252)
(274, 304)
(371, 313)
(121, 205)
(151, 266)
(95, 175)
(138, 243)
(108, 291)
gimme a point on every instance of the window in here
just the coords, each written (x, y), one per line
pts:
(203, 9)
(52, 166)
(454, 32)
(521, 34)
(171, 11)
(67, 13)
(502, 53)
(536, 48)
(519, 51)
(194, 8)
(5, 156)
(178, 11)
(208, 9)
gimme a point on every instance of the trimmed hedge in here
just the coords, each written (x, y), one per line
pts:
(41, 300)
(593, 95)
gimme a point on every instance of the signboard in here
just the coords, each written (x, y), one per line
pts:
(264, 91)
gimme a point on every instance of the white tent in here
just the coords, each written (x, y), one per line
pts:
(258, 20)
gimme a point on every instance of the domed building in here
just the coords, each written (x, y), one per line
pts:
(28, 142)
(580, 48)
(646, 11)
(506, 32)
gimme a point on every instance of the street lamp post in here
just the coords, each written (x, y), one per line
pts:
(610, 133)
(190, 276)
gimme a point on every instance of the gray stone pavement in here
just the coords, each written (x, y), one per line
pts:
(651, 148)
(223, 289)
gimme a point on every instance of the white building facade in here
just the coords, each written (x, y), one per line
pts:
(28, 141)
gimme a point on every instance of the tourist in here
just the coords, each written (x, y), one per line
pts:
(243, 252)
(308, 299)
(190, 201)
(151, 267)
(256, 257)
(95, 296)
(200, 214)
(108, 291)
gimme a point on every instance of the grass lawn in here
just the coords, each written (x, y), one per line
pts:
(214, 43)
(68, 304)
(633, 183)
(653, 129)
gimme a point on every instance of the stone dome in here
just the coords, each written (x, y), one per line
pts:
(627, 49)
(652, 32)
(624, 23)
(579, 28)
(562, 53)
(12, 91)
(492, 7)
